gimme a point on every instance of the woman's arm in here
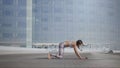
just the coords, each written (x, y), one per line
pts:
(77, 53)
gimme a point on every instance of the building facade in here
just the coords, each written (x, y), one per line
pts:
(93, 21)
(12, 21)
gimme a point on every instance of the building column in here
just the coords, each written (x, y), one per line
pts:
(29, 24)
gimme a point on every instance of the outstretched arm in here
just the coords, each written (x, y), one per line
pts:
(77, 53)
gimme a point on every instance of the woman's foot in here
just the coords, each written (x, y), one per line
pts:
(58, 57)
(49, 56)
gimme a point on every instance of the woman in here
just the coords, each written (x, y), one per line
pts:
(73, 44)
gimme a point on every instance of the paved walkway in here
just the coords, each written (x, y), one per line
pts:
(95, 60)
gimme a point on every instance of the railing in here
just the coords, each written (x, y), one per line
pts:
(88, 47)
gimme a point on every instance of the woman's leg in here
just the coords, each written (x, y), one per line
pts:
(60, 52)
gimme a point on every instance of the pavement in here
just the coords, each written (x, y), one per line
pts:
(70, 60)
(19, 50)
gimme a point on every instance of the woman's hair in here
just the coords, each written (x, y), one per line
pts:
(78, 43)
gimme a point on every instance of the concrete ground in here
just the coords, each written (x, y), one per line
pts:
(95, 60)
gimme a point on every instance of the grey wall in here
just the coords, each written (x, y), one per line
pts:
(94, 21)
(12, 21)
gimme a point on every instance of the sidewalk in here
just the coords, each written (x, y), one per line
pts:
(18, 50)
(70, 60)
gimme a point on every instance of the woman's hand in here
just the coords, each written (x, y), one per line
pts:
(83, 58)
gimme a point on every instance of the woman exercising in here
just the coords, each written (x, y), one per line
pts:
(73, 44)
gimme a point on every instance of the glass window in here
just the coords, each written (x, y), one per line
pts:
(45, 10)
(110, 14)
(35, 10)
(45, 28)
(7, 2)
(6, 25)
(70, 2)
(22, 2)
(7, 35)
(70, 11)
(7, 12)
(45, 1)
(0, 1)
(58, 10)
(21, 24)
(21, 35)
(34, 1)
(22, 13)
(0, 12)
(58, 19)
(44, 19)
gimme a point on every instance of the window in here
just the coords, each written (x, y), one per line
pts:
(111, 13)
(7, 12)
(0, 12)
(46, 10)
(44, 19)
(6, 25)
(58, 19)
(0, 2)
(69, 2)
(7, 35)
(35, 10)
(22, 2)
(45, 28)
(21, 24)
(34, 1)
(0, 24)
(7, 2)
(45, 1)
(22, 13)
(70, 11)
(21, 35)
(58, 10)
